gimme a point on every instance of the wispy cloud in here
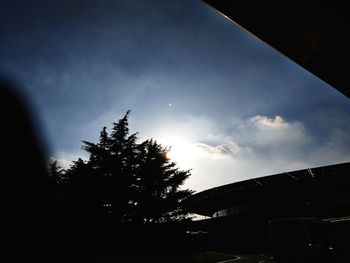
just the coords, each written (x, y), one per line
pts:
(230, 149)
(265, 122)
(257, 135)
(273, 136)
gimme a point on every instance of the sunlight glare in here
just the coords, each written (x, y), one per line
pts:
(181, 151)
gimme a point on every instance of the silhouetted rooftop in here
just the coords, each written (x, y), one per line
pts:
(253, 190)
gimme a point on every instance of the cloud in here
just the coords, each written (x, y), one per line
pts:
(247, 148)
(265, 122)
(230, 149)
(273, 130)
(259, 136)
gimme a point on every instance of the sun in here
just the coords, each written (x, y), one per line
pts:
(181, 151)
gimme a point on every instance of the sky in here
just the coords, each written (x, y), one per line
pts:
(230, 106)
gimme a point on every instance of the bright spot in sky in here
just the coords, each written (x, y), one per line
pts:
(184, 153)
(181, 151)
(170, 104)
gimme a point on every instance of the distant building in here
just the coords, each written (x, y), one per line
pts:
(238, 213)
(322, 192)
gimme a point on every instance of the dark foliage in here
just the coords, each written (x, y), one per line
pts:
(124, 180)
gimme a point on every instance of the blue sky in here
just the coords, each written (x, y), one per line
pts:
(231, 107)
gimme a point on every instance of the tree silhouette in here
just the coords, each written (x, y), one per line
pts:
(158, 185)
(56, 173)
(126, 180)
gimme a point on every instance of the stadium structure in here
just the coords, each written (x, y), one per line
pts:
(322, 192)
(238, 213)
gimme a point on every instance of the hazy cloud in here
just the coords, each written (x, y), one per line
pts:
(258, 135)
(257, 146)
(265, 122)
(230, 149)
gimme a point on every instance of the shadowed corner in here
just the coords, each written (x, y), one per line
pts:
(27, 191)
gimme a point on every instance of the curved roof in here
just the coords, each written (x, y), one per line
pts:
(279, 185)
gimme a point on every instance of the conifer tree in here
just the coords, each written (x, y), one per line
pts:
(159, 182)
(130, 181)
